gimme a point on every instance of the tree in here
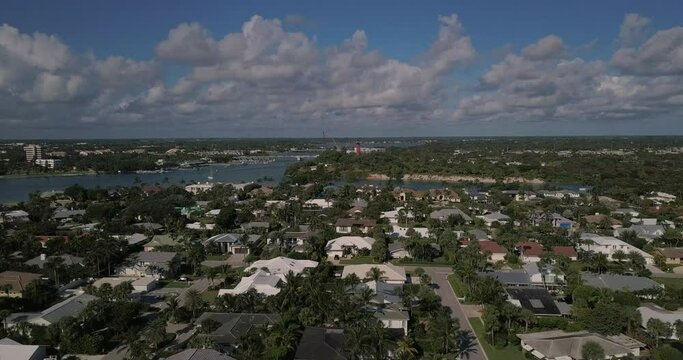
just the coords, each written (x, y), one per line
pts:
(619, 255)
(466, 344)
(121, 291)
(591, 350)
(658, 329)
(379, 251)
(375, 274)
(193, 301)
(55, 264)
(156, 333)
(666, 352)
(405, 349)
(172, 305)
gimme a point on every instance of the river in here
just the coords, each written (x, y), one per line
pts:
(16, 189)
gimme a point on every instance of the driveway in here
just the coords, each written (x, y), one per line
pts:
(439, 276)
(237, 260)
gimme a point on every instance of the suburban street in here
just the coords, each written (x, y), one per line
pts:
(439, 276)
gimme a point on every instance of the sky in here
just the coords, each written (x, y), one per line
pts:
(172, 68)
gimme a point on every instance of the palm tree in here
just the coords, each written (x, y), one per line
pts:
(172, 305)
(356, 342)
(405, 349)
(194, 301)
(619, 255)
(6, 288)
(283, 335)
(290, 292)
(528, 317)
(375, 274)
(466, 344)
(56, 265)
(678, 328)
(156, 333)
(4, 314)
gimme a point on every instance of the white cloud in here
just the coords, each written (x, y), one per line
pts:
(632, 29)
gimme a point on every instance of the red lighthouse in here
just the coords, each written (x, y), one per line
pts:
(358, 148)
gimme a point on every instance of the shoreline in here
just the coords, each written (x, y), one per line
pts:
(457, 179)
(21, 176)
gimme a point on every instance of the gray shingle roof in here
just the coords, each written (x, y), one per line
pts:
(321, 344)
(199, 354)
(509, 277)
(156, 257)
(68, 260)
(234, 325)
(70, 307)
(444, 214)
(619, 282)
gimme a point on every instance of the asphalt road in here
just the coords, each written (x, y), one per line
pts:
(439, 276)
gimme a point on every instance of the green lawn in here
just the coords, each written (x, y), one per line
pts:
(358, 260)
(673, 283)
(403, 262)
(493, 353)
(217, 257)
(209, 295)
(173, 284)
(457, 286)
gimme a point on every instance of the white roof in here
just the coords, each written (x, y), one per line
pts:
(610, 241)
(361, 242)
(283, 265)
(649, 311)
(262, 281)
(322, 203)
(10, 349)
(391, 272)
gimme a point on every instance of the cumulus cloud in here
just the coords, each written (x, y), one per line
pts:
(269, 78)
(632, 29)
(543, 84)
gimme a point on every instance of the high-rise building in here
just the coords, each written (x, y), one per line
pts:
(357, 148)
(33, 152)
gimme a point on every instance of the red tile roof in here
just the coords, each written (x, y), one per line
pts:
(530, 248)
(492, 247)
(567, 251)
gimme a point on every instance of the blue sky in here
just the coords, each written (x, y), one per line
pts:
(399, 88)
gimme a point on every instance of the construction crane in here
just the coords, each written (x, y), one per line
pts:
(336, 147)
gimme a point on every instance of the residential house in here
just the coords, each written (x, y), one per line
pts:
(567, 251)
(530, 251)
(319, 343)
(647, 232)
(140, 284)
(233, 243)
(346, 226)
(509, 277)
(555, 220)
(13, 283)
(283, 265)
(495, 252)
(392, 318)
(65, 215)
(199, 354)
(71, 307)
(600, 219)
(13, 350)
(42, 259)
(659, 197)
(341, 246)
(443, 195)
(403, 194)
(608, 245)
(536, 299)
(262, 281)
(496, 217)
(399, 231)
(14, 216)
(651, 311)
(672, 255)
(256, 227)
(445, 214)
(165, 240)
(617, 282)
(133, 239)
(563, 345)
(357, 207)
(147, 226)
(197, 188)
(560, 194)
(478, 234)
(547, 276)
(319, 203)
(394, 215)
(262, 191)
(391, 274)
(150, 263)
(233, 326)
(397, 250)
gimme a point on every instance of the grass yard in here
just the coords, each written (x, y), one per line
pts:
(673, 283)
(358, 260)
(218, 257)
(403, 262)
(209, 295)
(457, 286)
(173, 284)
(493, 353)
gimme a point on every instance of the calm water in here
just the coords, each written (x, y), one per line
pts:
(17, 189)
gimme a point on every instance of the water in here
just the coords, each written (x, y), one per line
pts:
(13, 190)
